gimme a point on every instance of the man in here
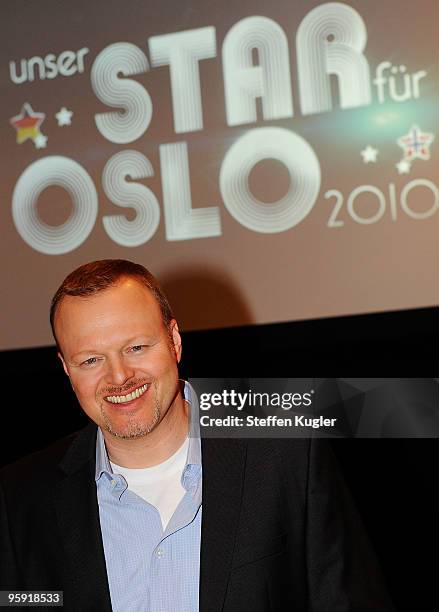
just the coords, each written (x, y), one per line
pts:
(114, 515)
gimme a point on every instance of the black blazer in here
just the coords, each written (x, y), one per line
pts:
(279, 531)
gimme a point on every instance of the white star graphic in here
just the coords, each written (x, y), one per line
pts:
(40, 141)
(403, 166)
(369, 154)
(64, 116)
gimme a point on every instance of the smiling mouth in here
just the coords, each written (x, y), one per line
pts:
(124, 399)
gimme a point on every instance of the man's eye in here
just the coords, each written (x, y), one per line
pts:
(90, 361)
(137, 348)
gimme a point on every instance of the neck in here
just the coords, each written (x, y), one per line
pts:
(157, 446)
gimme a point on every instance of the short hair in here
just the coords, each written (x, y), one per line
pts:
(96, 276)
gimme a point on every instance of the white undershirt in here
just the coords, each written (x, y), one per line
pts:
(159, 485)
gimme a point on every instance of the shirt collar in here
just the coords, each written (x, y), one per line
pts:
(194, 452)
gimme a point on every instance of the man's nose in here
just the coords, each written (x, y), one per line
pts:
(119, 372)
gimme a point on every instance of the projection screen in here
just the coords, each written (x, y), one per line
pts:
(267, 161)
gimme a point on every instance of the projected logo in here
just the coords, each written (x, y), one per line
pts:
(330, 43)
(416, 144)
(68, 63)
(27, 125)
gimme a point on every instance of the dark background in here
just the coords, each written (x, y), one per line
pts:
(393, 481)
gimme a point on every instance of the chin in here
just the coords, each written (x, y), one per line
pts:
(132, 428)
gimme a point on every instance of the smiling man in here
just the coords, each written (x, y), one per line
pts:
(136, 513)
(122, 368)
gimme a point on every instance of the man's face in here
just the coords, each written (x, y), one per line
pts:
(121, 359)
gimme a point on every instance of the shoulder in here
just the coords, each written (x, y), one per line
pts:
(299, 462)
(286, 451)
(45, 464)
(270, 451)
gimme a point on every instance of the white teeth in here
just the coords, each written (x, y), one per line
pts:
(122, 399)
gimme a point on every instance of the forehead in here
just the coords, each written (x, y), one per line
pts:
(127, 307)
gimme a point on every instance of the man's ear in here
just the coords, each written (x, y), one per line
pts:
(175, 337)
(63, 364)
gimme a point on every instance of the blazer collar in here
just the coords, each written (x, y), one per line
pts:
(81, 451)
(77, 514)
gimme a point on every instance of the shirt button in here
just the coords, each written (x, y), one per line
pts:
(160, 553)
(113, 483)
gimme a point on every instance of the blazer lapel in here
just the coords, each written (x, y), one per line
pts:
(223, 463)
(79, 527)
(77, 511)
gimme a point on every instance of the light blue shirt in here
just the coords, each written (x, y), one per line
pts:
(151, 570)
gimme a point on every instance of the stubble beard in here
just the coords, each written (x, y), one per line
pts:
(134, 426)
